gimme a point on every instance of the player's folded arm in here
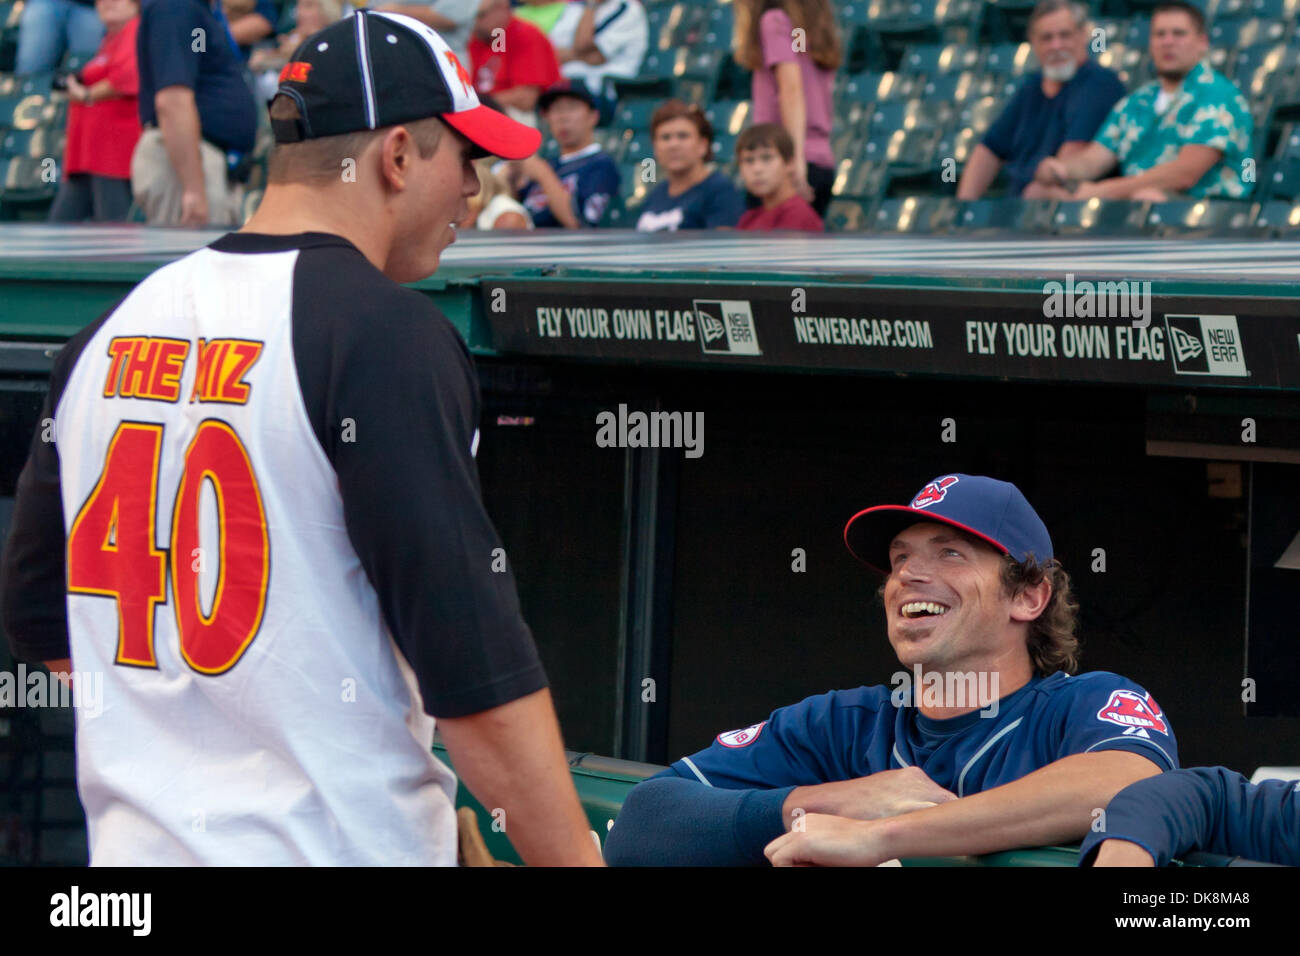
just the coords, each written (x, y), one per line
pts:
(722, 805)
(397, 409)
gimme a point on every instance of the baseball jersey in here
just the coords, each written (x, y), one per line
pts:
(1205, 808)
(847, 734)
(621, 33)
(710, 203)
(590, 176)
(260, 521)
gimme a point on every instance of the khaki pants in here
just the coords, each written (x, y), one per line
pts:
(158, 190)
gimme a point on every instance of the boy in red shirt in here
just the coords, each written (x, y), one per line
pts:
(511, 60)
(766, 156)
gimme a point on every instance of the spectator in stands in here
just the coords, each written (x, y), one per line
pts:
(312, 16)
(1055, 112)
(597, 41)
(793, 48)
(691, 193)
(765, 154)
(195, 109)
(250, 21)
(103, 124)
(492, 207)
(453, 19)
(1188, 133)
(574, 190)
(511, 59)
(51, 28)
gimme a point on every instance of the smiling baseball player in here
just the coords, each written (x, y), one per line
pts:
(973, 597)
(261, 521)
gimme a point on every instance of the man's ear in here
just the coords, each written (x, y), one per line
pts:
(396, 151)
(1030, 603)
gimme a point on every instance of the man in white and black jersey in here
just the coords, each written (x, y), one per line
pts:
(261, 522)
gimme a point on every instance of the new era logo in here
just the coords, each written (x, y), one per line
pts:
(1206, 345)
(726, 327)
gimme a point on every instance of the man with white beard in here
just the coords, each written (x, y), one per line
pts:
(1054, 113)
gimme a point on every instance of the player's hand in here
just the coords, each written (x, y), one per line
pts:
(194, 208)
(1051, 171)
(823, 840)
(885, 794)
(1122, 853)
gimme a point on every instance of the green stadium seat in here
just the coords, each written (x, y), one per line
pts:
(980, 114)
(1009, 214)
(25, 179)
(859, 179)
(847, 215)
(1226, 11)
(1138, 34)
(1288, 146)
(1010, 60)
(1280, 179)
(1114, 29)
(848, 142)
(724, 146)
(1274, 9)
(957, 145)
(954, 88)
(40, 142)
(1231, 35)
(1278, 217)
(878, 87)
(1199, 217)
(933, 59)
(634, 114)
(11, 13)
(1124, 60)
(41, 84)
(885, 118)
(1099, 217)
(913, 214)
(729, 116)
(913, 149)
(684, 26)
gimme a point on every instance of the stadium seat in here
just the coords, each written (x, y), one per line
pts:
(1229, 10)
(885, 118)
(955, 88)
(40, 142)
(1280, 180)
(1124, 60)
(1199, 217)
(1138, 34)
(913, 214)
(1098, 217)
(847, 215)
(27, 179)
(1278, 218)
(634, 114)
(1272, 9)
(933, 59)
(728, 115)
(907, 148)
(980, 114)
(957, 144)
(1228, 36)
(1010, 60)
(1267, 69)
(859, 179)
(1008, 214)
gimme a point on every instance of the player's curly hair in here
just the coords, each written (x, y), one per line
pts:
(1053, 645)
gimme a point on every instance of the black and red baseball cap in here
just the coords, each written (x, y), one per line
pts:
(994, 511)
(374, 69)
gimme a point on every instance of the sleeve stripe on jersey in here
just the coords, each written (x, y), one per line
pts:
(899, 757)
(961, 778)
(1136, 740)
(696, 770)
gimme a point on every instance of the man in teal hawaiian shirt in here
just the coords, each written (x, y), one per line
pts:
(1188, 133)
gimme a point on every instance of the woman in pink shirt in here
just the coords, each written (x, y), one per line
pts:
(793, 48)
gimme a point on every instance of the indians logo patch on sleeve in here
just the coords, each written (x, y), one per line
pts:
(1136, 713)
(741, 738)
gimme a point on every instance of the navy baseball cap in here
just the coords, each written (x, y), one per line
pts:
(577, 91)
(373, 69)
(991, 510)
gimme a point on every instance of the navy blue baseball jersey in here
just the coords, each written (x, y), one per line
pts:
(590, 176)
(846, 734)
(1206, 808)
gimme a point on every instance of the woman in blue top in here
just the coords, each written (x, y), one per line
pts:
(691, 194)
